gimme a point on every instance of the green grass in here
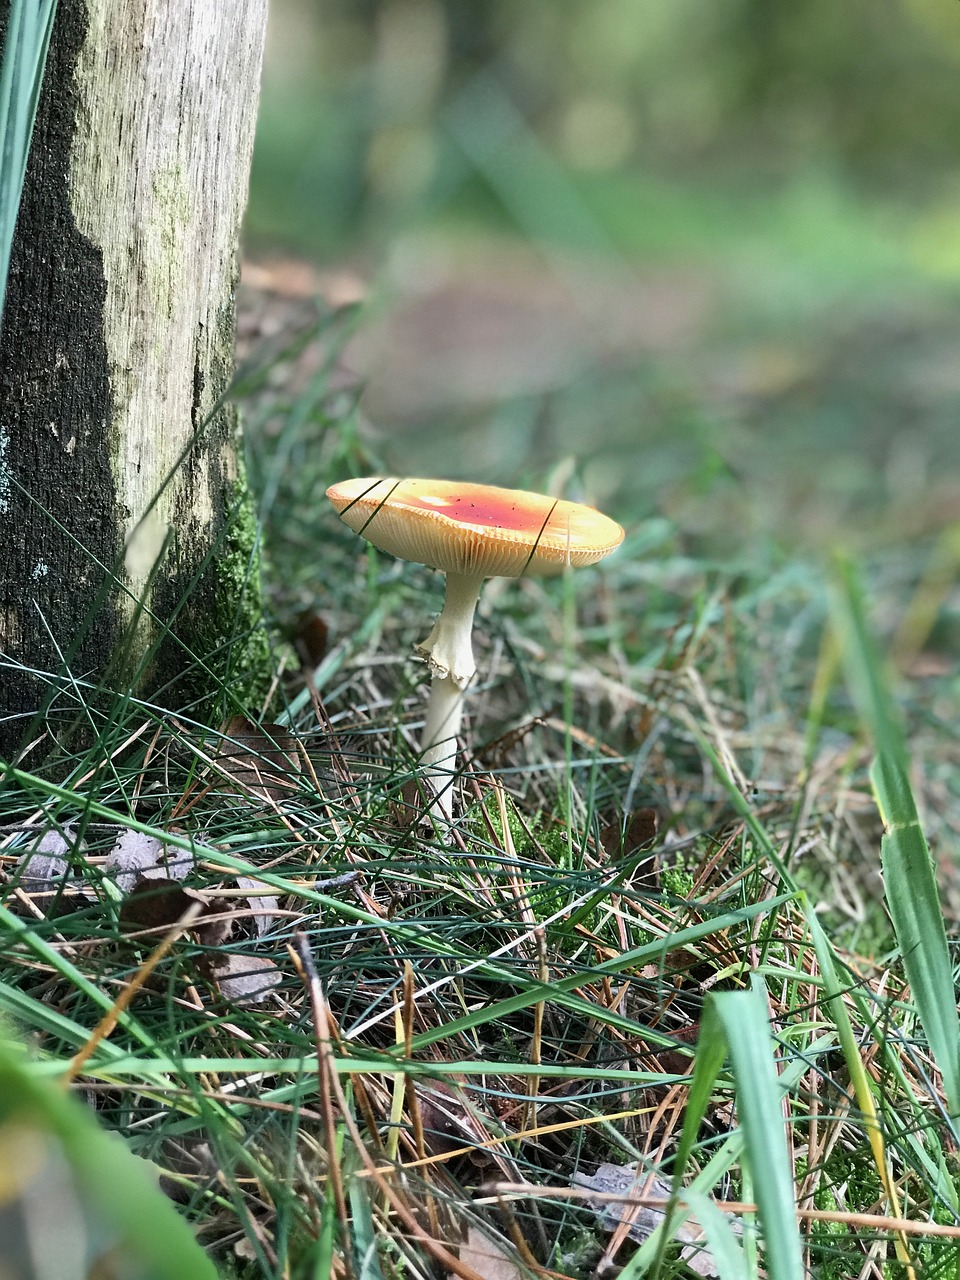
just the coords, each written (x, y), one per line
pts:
(540, 975)
(114, 1191)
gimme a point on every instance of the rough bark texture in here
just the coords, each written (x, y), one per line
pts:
(118, 471)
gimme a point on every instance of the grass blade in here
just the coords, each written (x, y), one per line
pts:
(833, 1002)
(743, 1017)
(116, 1183)
(730, 1150)
(21, 73)
(908, 874)
(724, 1246)
(736, 1022)
(710, 1056)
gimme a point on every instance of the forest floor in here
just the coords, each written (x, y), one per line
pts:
(371, 1047)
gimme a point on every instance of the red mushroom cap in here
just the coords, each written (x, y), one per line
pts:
(474, 528)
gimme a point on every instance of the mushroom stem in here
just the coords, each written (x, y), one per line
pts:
(448, 648)
(444, 714)
(449, 651)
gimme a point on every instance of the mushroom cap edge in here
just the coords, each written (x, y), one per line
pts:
(483, 530)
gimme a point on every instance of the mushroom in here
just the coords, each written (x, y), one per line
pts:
(469, 532)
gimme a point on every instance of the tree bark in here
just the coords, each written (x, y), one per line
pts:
(124, 540)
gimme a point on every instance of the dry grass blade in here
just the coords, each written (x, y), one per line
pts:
(410, 1087)
(494, 1191)
(109, 1021)
(326, 1073)
(301, 952)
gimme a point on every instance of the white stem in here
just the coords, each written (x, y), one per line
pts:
(448, 648)
(449, 651)
(444, 713)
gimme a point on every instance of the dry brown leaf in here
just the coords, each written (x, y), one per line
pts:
(451, 1120)
(639, 833)
(246, 979)
(216, 924)
(487, 1257)
(630, 841)
(495, 754)
(262, 760)
(412, 804)
(155, 902)
(447, 1124)
(311, 639)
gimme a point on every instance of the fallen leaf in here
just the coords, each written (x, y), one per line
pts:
(487, 1257)
(216, 924)
(135, 855)
(262, 760)
(42, 868)
(246, 979)
(412, 803)
(156, 902)
(639, 832)
(185, 1161)
(495, 754)
(447, 1124)
(660, 1057)
(632, 840)
(245, 1251)
(262, 907)
(628, 1181)
(311, 639)
(451, 1120)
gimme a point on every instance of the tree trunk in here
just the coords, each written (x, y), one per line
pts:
(126, 553)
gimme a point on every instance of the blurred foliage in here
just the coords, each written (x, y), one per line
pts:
(365, 102)
(696, 259)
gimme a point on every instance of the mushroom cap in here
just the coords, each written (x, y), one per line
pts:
(474, 528)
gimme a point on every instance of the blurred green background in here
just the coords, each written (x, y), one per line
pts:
(701, 256)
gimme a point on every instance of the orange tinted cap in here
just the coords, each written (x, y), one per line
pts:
(474, 528)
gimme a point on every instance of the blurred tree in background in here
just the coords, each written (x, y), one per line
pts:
(363, 119)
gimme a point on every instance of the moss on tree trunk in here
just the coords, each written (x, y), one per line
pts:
(125, 510)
